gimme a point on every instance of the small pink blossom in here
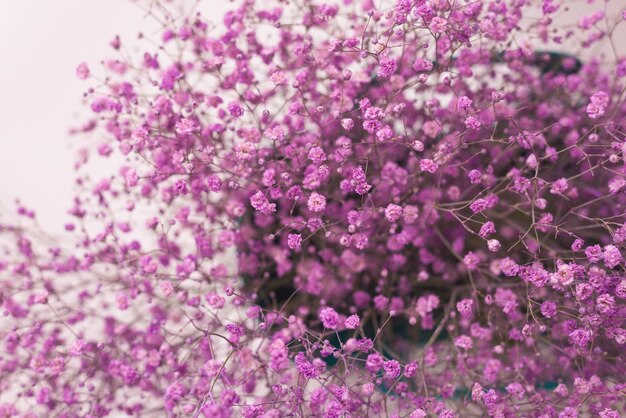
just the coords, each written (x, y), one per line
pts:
(294, 241)
(465, 307)
(428, 166)
(393, 212)
(493, 245)
(387, 67)
(464, 103)
(329, 318)
(464, 342)
(235, 109)
(438, 24)
(479, 205)
(316, 202)
(82, 71)
(352, 322)
(597, 106)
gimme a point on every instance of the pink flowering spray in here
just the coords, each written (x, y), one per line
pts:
(334, 209)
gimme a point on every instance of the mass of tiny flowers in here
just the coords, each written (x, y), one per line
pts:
(334, 208)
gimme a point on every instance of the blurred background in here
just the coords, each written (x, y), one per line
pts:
(42, 42)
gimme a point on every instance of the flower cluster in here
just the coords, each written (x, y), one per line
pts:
(336, 209)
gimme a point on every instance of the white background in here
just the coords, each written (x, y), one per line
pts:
(41, 43)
